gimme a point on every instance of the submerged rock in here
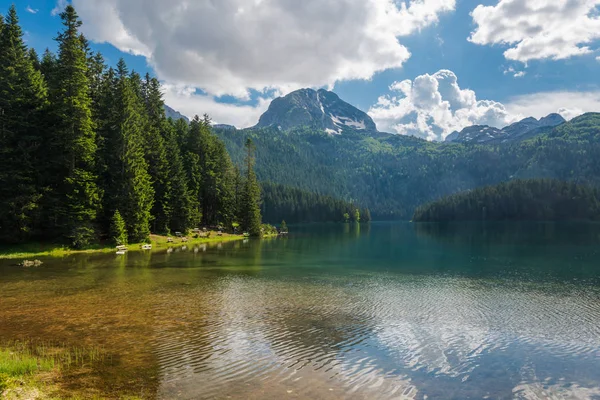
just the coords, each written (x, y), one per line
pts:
(29, 263)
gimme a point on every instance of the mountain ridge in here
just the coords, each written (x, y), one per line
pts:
(521, 130)
(320, 109)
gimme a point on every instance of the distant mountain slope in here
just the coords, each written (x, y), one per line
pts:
(175, 114)
(584, 127)
(322, 110)
(521, 130)
(393, 174)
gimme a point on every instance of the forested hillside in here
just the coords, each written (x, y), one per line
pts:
(393, 174)
(294, 205)
(518, 200)
(84, 147)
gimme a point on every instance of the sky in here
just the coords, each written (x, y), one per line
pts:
(418, 67)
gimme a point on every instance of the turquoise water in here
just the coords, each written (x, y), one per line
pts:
(387, 310)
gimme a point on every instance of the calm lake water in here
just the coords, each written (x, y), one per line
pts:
(390, 310)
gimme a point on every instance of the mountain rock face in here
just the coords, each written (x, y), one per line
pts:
(224, 126)
(318, 109)
(175, 114)
(521, 130)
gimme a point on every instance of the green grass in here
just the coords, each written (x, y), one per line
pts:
(31, 250)
(18, 367)
(18, 363)
(33, 369)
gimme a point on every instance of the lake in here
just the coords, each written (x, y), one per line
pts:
(379, 311)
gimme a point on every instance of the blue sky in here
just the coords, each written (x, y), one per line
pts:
(422, 67)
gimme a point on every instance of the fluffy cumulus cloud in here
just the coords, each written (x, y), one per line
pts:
(433, 106)
(538, 29)
(229, 47)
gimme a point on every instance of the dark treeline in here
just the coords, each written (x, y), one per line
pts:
(295, 205)
(526, 200)
(84, 147)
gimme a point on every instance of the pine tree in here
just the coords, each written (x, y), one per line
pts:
(118, 231)
(193, 169)
(366, 215)
(129, 186)
(156, 154)
(34, 58)
(251, 218)
(76, 196)
(180, 197)
(48, 66)
(23, 97)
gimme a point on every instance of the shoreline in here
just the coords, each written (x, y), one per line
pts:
(29, 250)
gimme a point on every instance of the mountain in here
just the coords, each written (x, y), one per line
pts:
(474, 134)
(224, 126)
(176, 115)
(521, 130)
(394, 174)
(322, 110)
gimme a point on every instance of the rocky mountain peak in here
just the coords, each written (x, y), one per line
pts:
(320, 109)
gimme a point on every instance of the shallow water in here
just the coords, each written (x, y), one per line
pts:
(390, 310)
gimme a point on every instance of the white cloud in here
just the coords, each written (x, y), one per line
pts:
(60, 7)
(186, 100)
(516, 74)
(538, 29)
(231, 46)
(567, 104)
(433, 106)
(31, 10)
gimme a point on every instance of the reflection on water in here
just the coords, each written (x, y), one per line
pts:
(334, 311)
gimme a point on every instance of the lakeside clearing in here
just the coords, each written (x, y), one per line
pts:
(30, 250)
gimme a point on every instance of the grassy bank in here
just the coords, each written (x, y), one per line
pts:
(32, 250)
(40, 371)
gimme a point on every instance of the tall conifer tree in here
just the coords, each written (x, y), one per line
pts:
(251, 218)
(156, 154)
(23, 98)
(192, 146)
(73, 174)
(180, 197)
(129, 186)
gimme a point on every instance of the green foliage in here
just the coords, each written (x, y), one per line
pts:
(23, 97)
(79, 141)
(16, 364)
(118, 230)
(346, 217)
(394, 174)
(250, 198)
(297, 205)
(156, 152)
(284, 227)
(267, 229)
(356, 215)
(180, 203)
(366, 215)
(130, 186)
(75, 196)
(525, 200)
